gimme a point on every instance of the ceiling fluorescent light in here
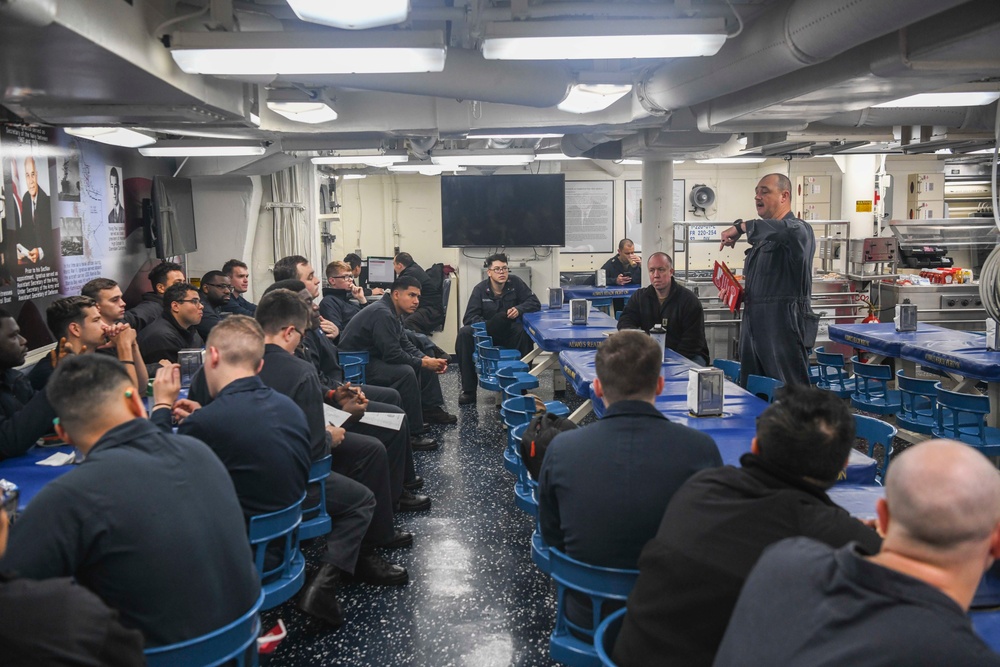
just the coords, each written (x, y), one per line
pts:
(313, 52)
(966, 99)
(591, 97)
(732, 160)
(301, 106)
(591, 40)
(424, 169)
(304, 112)
(114, 136)
(549, 157)
(353, 177)
(498, 158)
(352, 14)
(209, 148)
(526, 135)
(373, 160)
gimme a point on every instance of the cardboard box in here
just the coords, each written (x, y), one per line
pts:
(925, 187)
(811, 189)
(813, 211)
(924, 210)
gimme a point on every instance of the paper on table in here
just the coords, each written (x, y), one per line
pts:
(58, 459)
(390, 420)
(334, 416)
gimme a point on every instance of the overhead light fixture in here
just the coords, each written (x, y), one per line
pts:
(964, 99)
(527, 135)
(678, 161)
(313, 52)
(371, 159)
(113, 136)
(352, 14)
(497, 158)
(732, 160)
(207, 148)
(592, 40)
(301, 106)
(425, 169)
(353, 177)
(553, 157)
(591, 97)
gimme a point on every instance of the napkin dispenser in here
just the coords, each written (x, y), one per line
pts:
(906, 317)
(600, 278)
(555, 298)
(992, 334)
(705, 395)
(578, 309)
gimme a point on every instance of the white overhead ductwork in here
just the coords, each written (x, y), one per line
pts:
(792, 35)
(974, 119)
(884, 69)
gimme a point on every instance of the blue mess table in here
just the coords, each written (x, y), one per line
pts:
(732, 431)
(552, 332)
(30, 477)
(962, 355)
(590, 292)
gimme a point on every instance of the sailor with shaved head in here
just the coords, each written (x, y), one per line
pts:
(807, 604)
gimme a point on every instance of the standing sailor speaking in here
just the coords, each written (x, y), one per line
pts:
(778, 325)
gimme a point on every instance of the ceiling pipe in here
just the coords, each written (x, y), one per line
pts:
(467, 76)
(882, 68)
(792, 35)
(961, 118)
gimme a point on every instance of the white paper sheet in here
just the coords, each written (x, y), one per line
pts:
(390, 420)
(58, 459)
(334, 416)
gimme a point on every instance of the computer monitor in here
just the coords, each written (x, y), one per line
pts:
(380, 272)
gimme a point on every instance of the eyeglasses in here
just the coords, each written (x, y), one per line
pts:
(197, 301)
(500, 269)
(222, 286)
(349, 276)
(296, 330)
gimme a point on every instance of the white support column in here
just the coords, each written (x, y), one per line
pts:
(657, 207)
(858, 185)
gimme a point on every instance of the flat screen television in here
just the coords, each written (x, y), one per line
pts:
(505, 210)
(172, 226)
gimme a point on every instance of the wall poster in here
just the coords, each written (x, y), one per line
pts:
(67, 215)
(590, 216)
(633, 209)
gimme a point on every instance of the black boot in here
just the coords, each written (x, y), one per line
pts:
(319, 597)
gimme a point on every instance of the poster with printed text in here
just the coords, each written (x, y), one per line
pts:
(633, 209)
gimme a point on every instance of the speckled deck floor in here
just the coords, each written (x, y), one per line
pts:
(475, 599)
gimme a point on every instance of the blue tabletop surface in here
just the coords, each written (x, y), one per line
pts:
(579, 368)
(29, 477)
(962, 352)
(551, 329)
(882, 337)
(732, 431)
(860, 500)
(592, 292)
